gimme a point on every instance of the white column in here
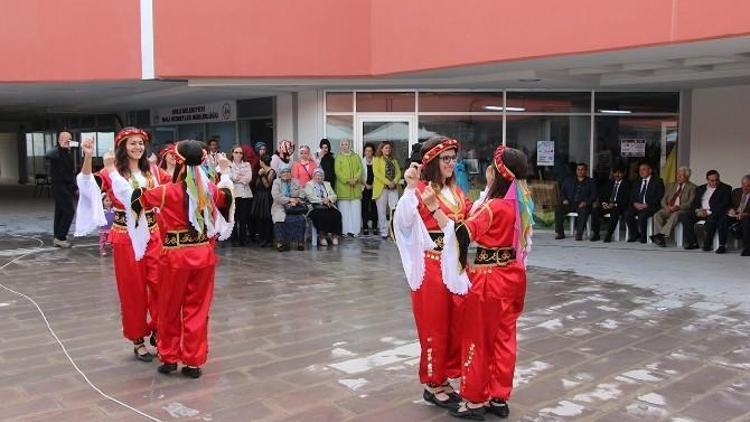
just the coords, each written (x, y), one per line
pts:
(310, 116)
(284, 118)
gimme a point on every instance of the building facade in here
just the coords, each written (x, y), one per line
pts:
(601, 83)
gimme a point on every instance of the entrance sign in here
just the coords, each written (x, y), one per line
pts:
(223, 111)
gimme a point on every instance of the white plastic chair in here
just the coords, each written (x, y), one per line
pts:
(572, 217)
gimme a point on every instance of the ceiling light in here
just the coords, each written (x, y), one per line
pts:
(501, 108)
(615, 111)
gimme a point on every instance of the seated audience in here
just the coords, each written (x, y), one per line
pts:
(677, 200)
(739, 214)
(324, 215)
(711, 205)
(614, 201)
(576, 195)
(288, 211)
(645, 199)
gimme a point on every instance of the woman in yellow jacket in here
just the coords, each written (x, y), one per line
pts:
(387, 174)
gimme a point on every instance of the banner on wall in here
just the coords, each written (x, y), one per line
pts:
(222, 111)
(632, 148)
(545, 153)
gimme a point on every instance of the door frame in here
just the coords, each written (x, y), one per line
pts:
(409, 118)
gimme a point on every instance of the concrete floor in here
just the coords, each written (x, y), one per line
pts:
(328, 335)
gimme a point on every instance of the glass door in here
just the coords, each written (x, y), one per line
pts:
(400, 130)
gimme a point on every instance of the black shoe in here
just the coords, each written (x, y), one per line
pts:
(451, 403)
(595, 238)
(152, 339)
(706, 248)
(659, 240)
(579, 237)
(607, 239)
(643, 240)
(498, 408)
(559, 236)
(721, 249)
(745, 252)
(141, 353)
(300, 246)
(167, 368)
(192, 371)
(632, 239)
(465, 412)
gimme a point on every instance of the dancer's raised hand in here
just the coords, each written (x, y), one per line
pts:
(411, 175)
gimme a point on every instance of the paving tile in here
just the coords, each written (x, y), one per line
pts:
(589, 350)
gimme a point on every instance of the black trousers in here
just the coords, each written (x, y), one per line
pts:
(64, 195)
(242, 219)
(639, 230)
(583, 215)
(713, 223)
(264, 228)
(369, 210)
(597, 214)
(745, 234)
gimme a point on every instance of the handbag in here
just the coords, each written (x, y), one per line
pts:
(299, 209)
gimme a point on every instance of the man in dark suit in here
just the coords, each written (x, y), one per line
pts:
(577, 194)
(645, 201)
(711, 204)
(63, 174)
(739, 214)
(613, 201)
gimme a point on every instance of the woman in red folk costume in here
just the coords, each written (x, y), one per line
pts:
(501, 225)
(135, 240)
(193, 210)
(438, 289)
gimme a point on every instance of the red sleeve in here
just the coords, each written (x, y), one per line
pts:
(153, 198)
(219, 196)
(479, 222)
(106, 181)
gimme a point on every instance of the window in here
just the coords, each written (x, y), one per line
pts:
(385, 102)
(338, 128)
(461, 102)
(549, 102)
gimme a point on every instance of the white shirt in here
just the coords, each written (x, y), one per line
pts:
(705, 201)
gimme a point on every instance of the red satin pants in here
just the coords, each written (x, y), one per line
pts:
(137, 286)
(437, 313)
(186, 296)
(490, 312)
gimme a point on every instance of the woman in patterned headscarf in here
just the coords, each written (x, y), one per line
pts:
(283, 155)
(288, 211)
(325, 216)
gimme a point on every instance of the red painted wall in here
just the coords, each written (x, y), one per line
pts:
(278, 38)
(69, 40)
(413, 35)
(80, 40)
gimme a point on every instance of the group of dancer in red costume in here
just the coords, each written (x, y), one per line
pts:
(162, 238)
(466, 313)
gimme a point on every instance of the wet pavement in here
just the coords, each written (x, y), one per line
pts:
(328, 335)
